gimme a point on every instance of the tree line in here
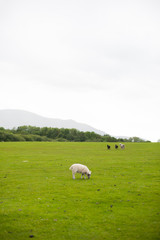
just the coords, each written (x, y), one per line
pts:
(48, 134)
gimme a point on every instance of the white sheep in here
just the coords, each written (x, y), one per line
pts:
(79, 168)
(122, 146)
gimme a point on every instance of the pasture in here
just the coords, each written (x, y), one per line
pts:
(40, 200)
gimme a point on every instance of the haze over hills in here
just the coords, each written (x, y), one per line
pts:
(15, 118)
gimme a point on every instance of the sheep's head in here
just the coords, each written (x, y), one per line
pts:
(89, 174)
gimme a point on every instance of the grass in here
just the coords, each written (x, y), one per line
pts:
(39, 199)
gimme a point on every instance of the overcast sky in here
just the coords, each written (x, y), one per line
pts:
(93, 61)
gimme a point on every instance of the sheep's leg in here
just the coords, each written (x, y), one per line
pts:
(73, 174)
(82, 175)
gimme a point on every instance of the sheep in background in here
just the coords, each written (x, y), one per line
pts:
(108, 146)
(79, 168)
(116, 146)
(122, 146)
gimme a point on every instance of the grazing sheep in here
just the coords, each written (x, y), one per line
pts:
(116, 146)
(108, 146)
(122, 146)
(79, 168)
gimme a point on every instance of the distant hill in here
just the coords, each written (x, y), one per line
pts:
(15, 118)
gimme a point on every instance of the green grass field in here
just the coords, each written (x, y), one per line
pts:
(39, 199)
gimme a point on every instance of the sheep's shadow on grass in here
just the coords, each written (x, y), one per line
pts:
(80, 179)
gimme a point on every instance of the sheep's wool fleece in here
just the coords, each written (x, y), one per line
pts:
(79, 168)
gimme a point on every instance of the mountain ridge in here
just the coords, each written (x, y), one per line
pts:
(13, 118)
